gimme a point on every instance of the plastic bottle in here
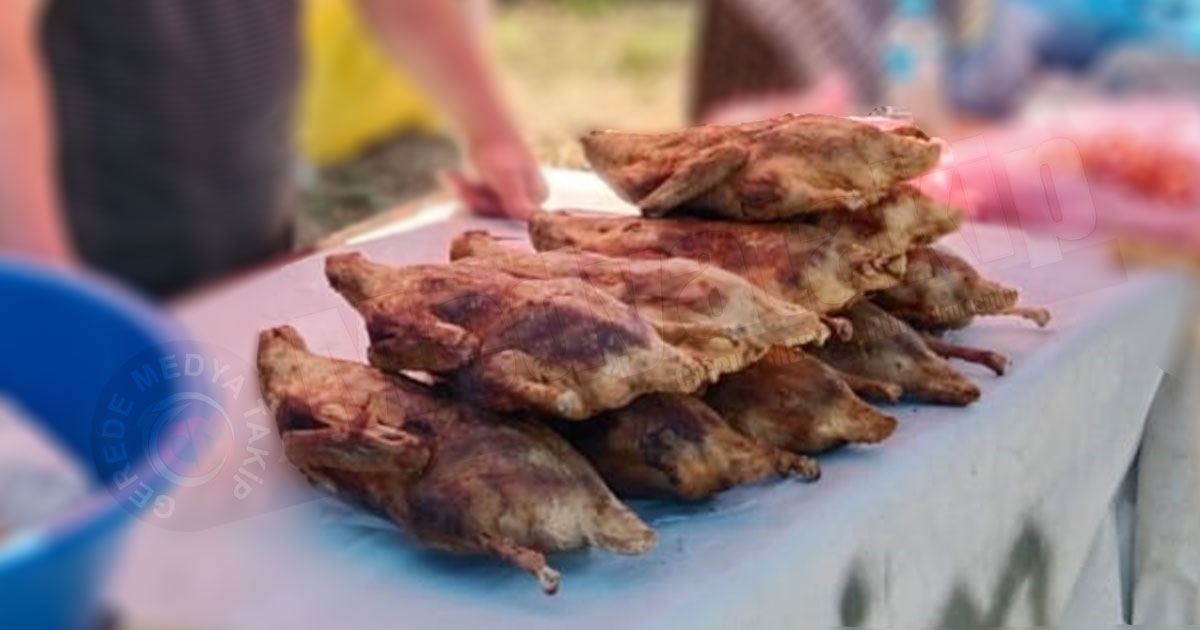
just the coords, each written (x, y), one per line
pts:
(913, 57)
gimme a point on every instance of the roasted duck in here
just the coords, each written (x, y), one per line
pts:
(794, 402)
(676, 446)
(716, 315)
(821, 267)
(761, 171)
(885, 348)
(559, 346)
(942, 291)
(455, 477)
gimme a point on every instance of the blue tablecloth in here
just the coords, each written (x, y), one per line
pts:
(979, 516)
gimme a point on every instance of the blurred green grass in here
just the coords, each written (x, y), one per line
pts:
(574, 65)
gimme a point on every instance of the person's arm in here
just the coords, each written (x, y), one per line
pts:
(435, 41)
(30, 223)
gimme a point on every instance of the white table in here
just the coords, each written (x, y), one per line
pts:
(978, 516)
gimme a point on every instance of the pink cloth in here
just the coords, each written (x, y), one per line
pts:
(1055, 175)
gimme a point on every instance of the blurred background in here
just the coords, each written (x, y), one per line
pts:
(170, 145)
(567, 66)
(965, 67)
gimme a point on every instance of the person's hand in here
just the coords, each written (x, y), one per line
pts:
(509, 182)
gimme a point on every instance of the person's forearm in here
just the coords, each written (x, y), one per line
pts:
(433, 39)
(29, 216)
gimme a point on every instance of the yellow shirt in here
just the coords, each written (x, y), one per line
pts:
(352, 95)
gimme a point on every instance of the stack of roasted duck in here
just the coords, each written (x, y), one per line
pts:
(780, 271)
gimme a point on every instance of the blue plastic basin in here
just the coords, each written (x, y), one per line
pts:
(61, 339)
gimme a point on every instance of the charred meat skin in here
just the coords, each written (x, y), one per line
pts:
(941, 291)
(795, 402)
(456, 478)
(763, 171)
(884, 348)
(669, 445)
(712, 314)
(558, 346)
(821, 265)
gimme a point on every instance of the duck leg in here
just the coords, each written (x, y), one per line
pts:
(1039, 316)
(525, 558)
(994, 361)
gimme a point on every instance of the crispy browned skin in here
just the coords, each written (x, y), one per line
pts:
(457, 478)
(763, 171)
(793, 401)
(558, 346)
(871, 389)
(670, 445)
(885, 348)
(716, 315)
(821, 266)
(942, 291)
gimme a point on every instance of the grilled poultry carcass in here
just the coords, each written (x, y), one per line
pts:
(942, 291)
(821, 267)
(761, 171)
(795, 402)
(559, 346)
(714, 314)
(676, 446)
(455, 477)
(885, 348)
